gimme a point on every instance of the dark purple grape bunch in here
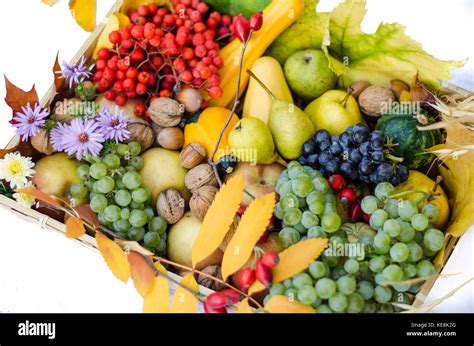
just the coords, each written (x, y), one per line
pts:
(357, 154)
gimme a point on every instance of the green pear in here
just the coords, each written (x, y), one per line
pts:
(289, 125)
(250, 140)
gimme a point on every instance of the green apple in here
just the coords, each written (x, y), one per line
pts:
(55, 174)
(334, 111)
(308, 73)
(162, 170)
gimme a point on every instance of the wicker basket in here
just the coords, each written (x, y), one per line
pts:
(49, 223)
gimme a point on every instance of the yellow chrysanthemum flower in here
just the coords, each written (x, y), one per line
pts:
(16, 169)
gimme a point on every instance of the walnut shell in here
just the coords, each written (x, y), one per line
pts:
(201, 200)
(166, 112)
(42, 143)
(375, 99)
(214, 271)
(199, 176)
(142, 133)
(170, 206)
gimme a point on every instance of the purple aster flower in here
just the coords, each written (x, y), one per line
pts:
(75, 73)
(82, 138)
(57, 136)
(113, 126)
(29, 121)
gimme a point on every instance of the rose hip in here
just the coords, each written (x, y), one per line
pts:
(246, 278)
(263, 273)
(270, 259)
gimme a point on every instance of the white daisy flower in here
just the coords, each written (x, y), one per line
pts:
(23, 199)
(16, 169)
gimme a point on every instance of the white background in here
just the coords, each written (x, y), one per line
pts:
(41, 271)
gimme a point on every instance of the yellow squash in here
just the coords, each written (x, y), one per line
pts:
(257, 102)
(277, 16)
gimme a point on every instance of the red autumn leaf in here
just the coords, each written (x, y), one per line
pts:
(17, 98)
(40, 196)
(74, 227)
(58, 81)
(86, 214)
(142, 274)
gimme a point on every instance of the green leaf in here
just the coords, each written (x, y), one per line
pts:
(236, 7)
(306, 33)
(380, 57)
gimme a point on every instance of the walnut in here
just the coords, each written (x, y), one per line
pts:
(375, 99)
(214, 271)
(142, 133)
(201, 200)
(229, 235)
(199, 176)
(166, 112)
(170, 206)
(42, 143)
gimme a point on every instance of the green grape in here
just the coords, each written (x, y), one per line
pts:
(112, 161)
(317, 269)
(431, 211)
(338, 302)
(331, 261)
(122, 225)
(369, 308)
(89, 184)
(433, 239)
(277, 289)
(407, 233)
(295, 171)
(279, 183)
(309, 219)
(409, 270)
(315, 196)
(151, 239)
(317, 302)
(288, 283)
(330, 198)
(122, 235)
(98, 203)
(317, 208)
(125, 213)
(307, 294)
(369, 204)
(164, 236)
(105, 185)
(137, 162)
(157, 224)
(302, 202)
(135, 205)
(337, 273)
(427, 252)
(337, 240)
(137, 218)
(381, 249)
(392, 228)
(135, 148)
(136, 233)
(377, 264)
(406, 210)
(278, 211)
(385, 308)
(98, 171)
(78, 191)
(291, 293)
(325, 288)
(391, 207)
(383, 190)
(324, 309)
(425, 269)
(365, 289)
(312, 172)
(122, 198)
(140, 195)
(130, 169)
(402, 286)
(119, 184)
(355, 303)
(83, 171)
(378, 218)
(285, 188)
(302, 279)
(346, 284)
(289, 201)
(399, 252)
(351, 266)
(379, 279)
(382, 239)
(329, 208)
(320, 184)
(112, 213)
(302, 186)
(316, 232)
(419, 222)
(331, 222)
(393, 272)
(123, 149)
(132, 180)
(301, 229)
(382, 294)
(288, 236)
(292, 216)
(416, 252)
(162, 245)
(418, 237)
(149, 213)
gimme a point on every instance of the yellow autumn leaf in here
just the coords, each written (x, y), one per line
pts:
(74, 227)
(458, 176)
(244, 307)
(218, 219)
(251, 227)
(158, 299)
(114, 256)
(84, 12)
(285, 305)
(50, 2)
(115, 22)
(142, 274)
(293, 260)
(133, 4)
(183, 300)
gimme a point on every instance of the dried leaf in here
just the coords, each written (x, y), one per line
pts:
(103, 41)
(17, 98)
(58, 81)
(183, 300)
(285, 305)
(244, 307)
(114, 256)
(85, 213)
(218, 218)
(132, 4)
(74, 227)
(251, 227)
(39, 195)
(158, 299)
(294, 260)
(142, 274)
(128, 245)
(84, 12)
(50, 2)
